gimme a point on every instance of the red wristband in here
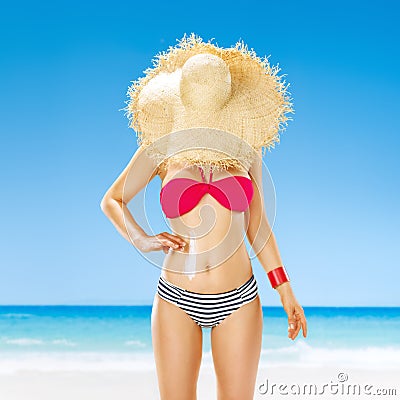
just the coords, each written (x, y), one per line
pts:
(278, 276)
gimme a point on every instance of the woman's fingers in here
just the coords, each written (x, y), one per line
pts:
(291, 327)
(167, 242)
(304, 325)
(302, 321)
(176, 240)
(162, 241)
(296, 322)
(298, 326)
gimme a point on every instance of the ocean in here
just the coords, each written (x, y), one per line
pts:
(119, 338)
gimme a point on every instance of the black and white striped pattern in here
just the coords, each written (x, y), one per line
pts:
(208, 310)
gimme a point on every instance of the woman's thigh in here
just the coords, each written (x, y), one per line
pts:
(177, 345)
(236, 347)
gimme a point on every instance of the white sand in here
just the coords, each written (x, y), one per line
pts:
(87, 385)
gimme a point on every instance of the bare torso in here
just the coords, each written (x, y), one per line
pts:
(215, 258)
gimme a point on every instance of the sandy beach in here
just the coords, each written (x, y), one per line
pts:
(124, 385)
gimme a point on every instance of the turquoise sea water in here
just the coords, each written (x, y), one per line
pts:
(119, 337)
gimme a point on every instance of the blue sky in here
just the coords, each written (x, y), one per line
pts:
(65, 68)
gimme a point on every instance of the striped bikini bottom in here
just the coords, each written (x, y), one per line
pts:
(208, 309)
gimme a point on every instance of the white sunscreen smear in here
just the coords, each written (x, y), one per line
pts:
(190, 262)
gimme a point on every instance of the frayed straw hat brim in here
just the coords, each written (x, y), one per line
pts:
(255, 112)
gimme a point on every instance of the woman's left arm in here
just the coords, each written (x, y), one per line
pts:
(263, 242)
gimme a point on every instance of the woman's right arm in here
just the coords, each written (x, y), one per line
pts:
(136, 175)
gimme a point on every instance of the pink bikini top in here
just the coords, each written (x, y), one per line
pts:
(181, 195)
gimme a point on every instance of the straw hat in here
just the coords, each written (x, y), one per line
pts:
(203, 104)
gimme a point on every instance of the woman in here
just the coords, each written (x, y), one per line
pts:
(208, 209)
(177, 338)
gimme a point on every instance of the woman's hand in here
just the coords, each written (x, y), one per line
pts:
(296, 317)
(163, 241)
